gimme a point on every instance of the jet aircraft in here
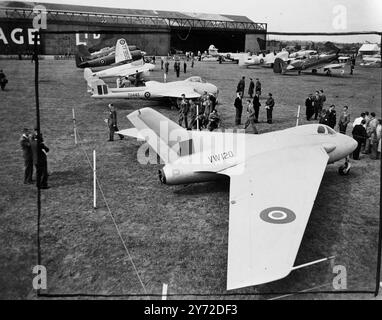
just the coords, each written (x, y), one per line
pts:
(274, 180)
(192, 88)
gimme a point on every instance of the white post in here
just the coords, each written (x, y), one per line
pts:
(94, 181)
(197, 117)
(74, 126)
(164, 291)
(298, 115)
(164, 77)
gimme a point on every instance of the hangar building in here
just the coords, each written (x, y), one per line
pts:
(156, 32)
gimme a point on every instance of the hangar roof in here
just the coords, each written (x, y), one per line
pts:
(135, 12)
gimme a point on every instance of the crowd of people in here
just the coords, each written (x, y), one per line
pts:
(253, 104)
(199, 113)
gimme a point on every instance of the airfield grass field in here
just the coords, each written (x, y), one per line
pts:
(175, 234)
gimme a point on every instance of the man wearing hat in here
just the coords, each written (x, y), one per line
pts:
(269, 106)
(25, 143)
(251, 88)
(112, 122)
(39, 152)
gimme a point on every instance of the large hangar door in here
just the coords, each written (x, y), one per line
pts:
(195, 40)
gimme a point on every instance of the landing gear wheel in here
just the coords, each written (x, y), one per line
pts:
(344, 170)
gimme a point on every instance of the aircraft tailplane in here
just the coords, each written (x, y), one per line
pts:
(122, 51)
(82, 54)
(160, 133)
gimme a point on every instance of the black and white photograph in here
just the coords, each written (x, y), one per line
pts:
(190, 151)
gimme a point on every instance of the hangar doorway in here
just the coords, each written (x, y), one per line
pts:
(195, 40)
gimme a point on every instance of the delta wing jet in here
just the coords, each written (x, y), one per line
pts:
(274, 180)
(192, 87)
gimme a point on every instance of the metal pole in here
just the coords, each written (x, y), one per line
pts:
(313, 262)
(38, 173)
(197, 117)
(94, 181)
(164, 291)
(298, 115)
(74, 126)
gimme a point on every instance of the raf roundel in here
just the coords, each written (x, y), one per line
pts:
(147, 95)
(122, 42)
(102, 61)
(277, 215)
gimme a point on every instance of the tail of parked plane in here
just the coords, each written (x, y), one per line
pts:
(279, 66)
(160, 133)
(122, 51)
(82, 54)
(97, 87)
(331, 47)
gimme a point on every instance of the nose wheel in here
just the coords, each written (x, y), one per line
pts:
(344, 170)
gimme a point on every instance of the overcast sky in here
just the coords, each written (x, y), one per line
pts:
(281, 15)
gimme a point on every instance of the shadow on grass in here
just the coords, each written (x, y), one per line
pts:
(220, 185)
(68, 178)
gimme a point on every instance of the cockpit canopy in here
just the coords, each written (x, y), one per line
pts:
(196, 79)
(323, 129)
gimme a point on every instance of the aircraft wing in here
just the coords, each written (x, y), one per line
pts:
(132, 70)
(167, 90)
(333, 66)
(270, 203)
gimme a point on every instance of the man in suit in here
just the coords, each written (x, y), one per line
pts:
(269, 106)
(332, 117)
(256, 106)
(241, 87)
(360, 135)
(309, 107)
(39, 152)
(112, 123)
(316, 105)
(239, 108)
(25, 143)
(344, 120)
(258, 86)
(183, 111)
(251, 88)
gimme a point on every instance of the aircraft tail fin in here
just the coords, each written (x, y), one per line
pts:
(279, 66)
(331, 47)
(162, 134)
(97, 87)
(122, 51)
(82, 54)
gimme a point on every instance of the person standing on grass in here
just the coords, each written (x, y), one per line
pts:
(40, 161)
(359, 135)
(332, 118)
(258, 86)
(344, 120)
(309, 107)
(183, 111)
(269, 106)
(3, 80)
(256, 106)
(25, 143)
(112, 123)
(251, 88)
(239, 108)
(241, 87)
(184, 66)
(250, 117)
